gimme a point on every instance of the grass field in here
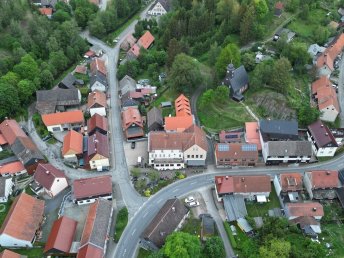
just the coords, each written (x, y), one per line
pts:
(334, 235)
(4, 213)
(36, 252)
(121, 223)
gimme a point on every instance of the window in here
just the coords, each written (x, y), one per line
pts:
(192, 156)
(196, 156)
(188, 156)
(178, 165)
(201, 156)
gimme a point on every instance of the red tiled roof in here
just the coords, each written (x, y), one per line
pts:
(11, 168)
(96, 99)
(242, 184)
(131, 116)
(323, 81)
(23, 218)
(97, 121)
(98, 65)
(69, 117)
(182, 106)
(81, 69)
(179, 123)
(46, 11)
(61, 235)
(291, 182)
(305, 209)
(2, 140)
(11, 130)
(321, 179)
(98, 144)
(235, 151)
(325, 59)
(135, 50)
(94, 186)
(325, 93)
(321, 134)
(90, 53)
(46, 173)
(72, 143)
(9, 254)
(252, 134)
(90, 251)
(224, 184)
(279, 5)
(136, 94)
(146, 40)
(331, 53)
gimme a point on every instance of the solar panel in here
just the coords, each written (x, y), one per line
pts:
(231, 136)
(249, 147)
(223, 147)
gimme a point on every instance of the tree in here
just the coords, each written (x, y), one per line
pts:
(61, 16)
(140, 185)
(214, 248)
(297, 54)
(249, 61)
(131, 68)
(307, 114)
(275, 248)
(26, 88)
(9, 100)
(261, 9)
(10, 78)
(221, 94)
(46, 79)
(207, 98)
(247, 24)
(321, 34)
(153, 175)
(229, 54)
(175, 47)
(213, 53)
(27, 68)
(135, 172)
(261, 74)
(97, 27)
(280, 75)
(58, 60)
(180, 244)
(184, 74)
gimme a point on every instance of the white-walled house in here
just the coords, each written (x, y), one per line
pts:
(6, 187)
(160, 7)
(195, 156)
(96, 103)
(63, 121)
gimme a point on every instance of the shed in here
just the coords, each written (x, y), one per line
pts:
(166, 104)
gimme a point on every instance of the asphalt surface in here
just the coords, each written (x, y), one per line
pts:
(341, 92)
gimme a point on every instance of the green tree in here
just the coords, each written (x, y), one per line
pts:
(135, 172)
(221, 94)
(229, 54)
(180, 244)
(261, 74)
(247, 25)
(207, 98)
(131, 68)
(141, 184)
(27, 68)
(297, 55)
(214, 248)
(261, 9)
(280, 75)
(153, 175)
(9, 100)
(249, 61)
(26, 88)
(307, 114)
(175, 47)
(10, 78)
(321, 34)
(184, 74)
(213, 53)
(58, 60)
(61, 16)
(275, 248)
(97, 27)
(47, 79)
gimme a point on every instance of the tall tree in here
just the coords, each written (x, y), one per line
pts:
(9, 100)
(180, 244)
(229, 54)
(175, 47)
(280, 75)
(275, 248)
(27, 68)
(247, 24)
(26, 88)
(214, 248)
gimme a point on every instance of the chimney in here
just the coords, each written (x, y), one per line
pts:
(47, 172)
(243, 179)
(326, 134)
(328, 173)
(227, 177)
(314, 209)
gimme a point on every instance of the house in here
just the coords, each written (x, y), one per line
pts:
(284, 32)
(61, 237)
(278, 130)
(22, 222)
(207, 227)
(326, 97)
(98, 81)
(52, 180)
(63, 121)
(6, 187)
(175, 150)
(127, 102)
(98, 65)
(88, 190)
(170, 217)
(128, 42)
(11, 130)
(315, 49)
(9, 254)
(160, 7)
(97, 123)
(155, 121)
(12, 168)
(323, 142)
(322, 184)
(50, 101)
(81, 69)
(69, 82)
(279, 6)
(95, 234)
(235, 154)
(89, 54)
(46, 11)
(96, 103)
(305, 209)
(127, 84)
(288, 186)
(98, 154)
(72, 146)
(237, 81)
(146, 40)
(132, 123)
(250, 187)
(133, 53)
(252, 134)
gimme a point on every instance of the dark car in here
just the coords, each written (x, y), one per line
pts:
(133, 144)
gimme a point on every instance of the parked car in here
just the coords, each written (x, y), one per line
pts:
(193, 204)
(189, 199)
(133, 144)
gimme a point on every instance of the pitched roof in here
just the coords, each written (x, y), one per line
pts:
(305, 209)
(146, 40)
(236, 151)
(23, 218)
(289, 148)
(72, 143)
(331, 52)
(90, 251)
(165, 221)
(279, 5)
(96, 228)
(94, 186)
(291, 182)
(9, 254)
(26, 150)
(98, 77)
(97, 121)
(252, 134)
(46, 174)
(179, 123)
(127, 84)
(131, 116)
(327, 96)
(98, 65)
(2, 140)
(281, 129)
(236, 78)
(68, 81)
(321, 179)
(81, 69)
(182, 105)
(323, 81)
(242, 184)
(224, 184)
(128, 42)
(135, 50)
(325, 59)
(96, 99)
(321, 134)
(98, 144)
(154, 116)
(69, 117)
(10, 130)
(11, 168)
(61, 235)
(46, 11)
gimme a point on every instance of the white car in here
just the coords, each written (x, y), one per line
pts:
(194, 204)
(189, 199)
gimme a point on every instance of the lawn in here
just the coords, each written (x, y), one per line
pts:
(30, 252)
(6, 153)
(255, 209)
(168, 95)
(334, 235)
(192, 226)
(228, 116)
(121, 223)
(4, 213)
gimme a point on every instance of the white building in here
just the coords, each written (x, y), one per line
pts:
(6, 187)
(160, 7)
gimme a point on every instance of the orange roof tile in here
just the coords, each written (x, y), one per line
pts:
(72, 143)
(24, 218)
(131, 116)
(279, 5)
(327, 96)
(11, 168)
(9, 254)
(331, 53)
(321, 179)
(252, 134)
(90, 251)
(98, 65)
(46, 11)
(306, 209)
(182, 106)
(146, 40)
(11, 130)
(69, 117)
(323, 81)
(81, 69)
(179, 123)
(96, 99)
(242, 184)
(291, 182)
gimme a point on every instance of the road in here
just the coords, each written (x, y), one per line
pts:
(341, 92)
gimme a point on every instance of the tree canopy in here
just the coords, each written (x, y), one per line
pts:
(180, 244)
(229, 54)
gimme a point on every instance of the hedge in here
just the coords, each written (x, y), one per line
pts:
(230, 235)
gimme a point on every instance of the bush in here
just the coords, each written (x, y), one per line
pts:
(147, 193)
(121, 223)
(230, 235)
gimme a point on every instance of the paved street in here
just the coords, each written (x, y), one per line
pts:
(341, 92)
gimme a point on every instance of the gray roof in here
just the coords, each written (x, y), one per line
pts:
(165, 222)
(126, 84)
(154, 116)
(243, 223)
(238, 80)
(234, 206)
(284, 129)
(51, 3)
(98, 77)
(208, 225)
(68, 82)
(8, 160)
(26, 151)
(289, 148)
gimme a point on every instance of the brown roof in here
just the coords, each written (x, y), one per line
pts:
(98, 144)
(146, 40)
(165, 222)
(325, 59)
(242, 184)
(182, 106)
(135, 50)
(98, 65)
(96, 99)
(236, 150)
(72, 143)
(178, 140)
(321, 134)
(46, 173)
(24, 218)
(304, 209)
(90, 251)
(46, 11)
(224, 184)
(9, 254)
(252, 134)
(128, 42)
(81, 69)
(2, 140)
(61, 235)
(279, 5)
(69, 117)
(131, 116)
(97, 121)
(323, 81)
(11, 168)
(291, 182)
(331, 52)
(325, 93)
(321, 179)
(94, 186)
(10, 130)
